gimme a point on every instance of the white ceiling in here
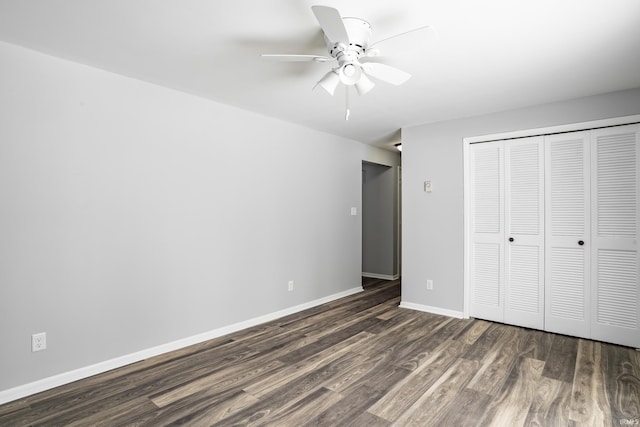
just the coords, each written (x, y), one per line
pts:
(488, 56)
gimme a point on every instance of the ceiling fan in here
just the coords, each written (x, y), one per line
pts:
(348, 41)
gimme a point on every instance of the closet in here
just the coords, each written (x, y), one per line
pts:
(553, 233)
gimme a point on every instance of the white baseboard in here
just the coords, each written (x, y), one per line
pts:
(430, 309)
(380, 276)
(25, 390)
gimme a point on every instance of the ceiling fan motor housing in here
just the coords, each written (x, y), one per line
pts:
(359, 32)
(347, 52)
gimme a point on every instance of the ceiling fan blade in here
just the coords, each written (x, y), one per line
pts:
(295, 58)
(386, 73)
(331, 23)
(412, 37)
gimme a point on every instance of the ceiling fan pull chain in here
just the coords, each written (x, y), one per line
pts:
(347, 112)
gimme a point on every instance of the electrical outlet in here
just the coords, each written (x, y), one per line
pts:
(290, 285)
(429, 284)
(39, 342)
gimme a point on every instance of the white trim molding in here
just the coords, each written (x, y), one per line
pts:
(380, 276)
(433, 310)
(569, 127)
(25, 390)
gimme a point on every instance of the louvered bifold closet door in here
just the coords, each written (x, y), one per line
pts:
(614, 250)
(567, 232)
(487, 231)
(524, 219)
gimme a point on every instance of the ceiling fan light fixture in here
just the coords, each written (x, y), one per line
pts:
(350, 73)
(347, 40)
(364, 85)
(329, 82)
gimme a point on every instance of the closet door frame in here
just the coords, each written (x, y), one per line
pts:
(467, 141)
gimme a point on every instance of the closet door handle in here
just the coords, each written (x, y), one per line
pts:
(581, 242)
(511, 239)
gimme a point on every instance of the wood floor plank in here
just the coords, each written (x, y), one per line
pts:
(333, 325)
(111, 417)
(416, 339)
(497, 364)
(203, 405)
(535, 344)
(276, 341)
(362, 394)
(392, 326)
(300, 411)
(370, 420)
(474, 331)
(390, 311)
(622, 377)
(323, 321)
(411, 341)
(439, 397)
(512, 404)
(551, 404)
(293, 371)
(218, 380)
(406, 392)
(485, 342)
(113, 387)
(328, 341)
(213, 413)
(467, 408)
(588, 397)
(561, 362)
(371, 369)
(293, 391)
(360, 361)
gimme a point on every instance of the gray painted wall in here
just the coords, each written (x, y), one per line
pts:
(379, 227)
(134, 215)
(433, 223)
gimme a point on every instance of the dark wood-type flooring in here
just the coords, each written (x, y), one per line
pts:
(359, 361)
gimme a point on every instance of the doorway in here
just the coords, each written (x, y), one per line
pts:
(380, 221)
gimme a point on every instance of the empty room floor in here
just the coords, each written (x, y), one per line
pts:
(360, 361)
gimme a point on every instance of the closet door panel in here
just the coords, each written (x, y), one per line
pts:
(615, 205)
(524, 215)
(567, 232)
(487, 232)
